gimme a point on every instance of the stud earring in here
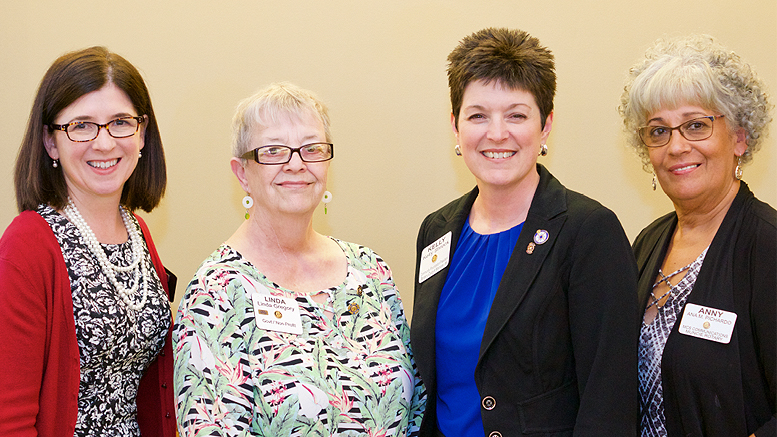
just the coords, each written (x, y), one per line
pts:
(140, 155)
(326, 199)
(654, 181)
(248, 202)
(543, 150)
(55, 164)
(457, 149)
(738, 171)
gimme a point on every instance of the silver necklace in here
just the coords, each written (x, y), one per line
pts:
(137, 267)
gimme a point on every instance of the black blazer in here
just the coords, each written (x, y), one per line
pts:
(714, 389)
(559, 351)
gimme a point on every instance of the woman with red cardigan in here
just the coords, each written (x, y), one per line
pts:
(84, 299)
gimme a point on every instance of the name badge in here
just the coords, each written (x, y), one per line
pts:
(707, 323)
(275, 313)
(435, 257)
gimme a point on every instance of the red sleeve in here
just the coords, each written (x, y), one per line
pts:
(29, 260)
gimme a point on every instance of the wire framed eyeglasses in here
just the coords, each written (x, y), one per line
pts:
(696, 129)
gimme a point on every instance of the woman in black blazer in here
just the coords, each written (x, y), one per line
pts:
(695, 113)
(525, 317)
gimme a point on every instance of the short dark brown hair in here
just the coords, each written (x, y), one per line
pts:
(512, 58)
(71, 76)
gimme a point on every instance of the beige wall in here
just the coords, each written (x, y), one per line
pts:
(381, 69)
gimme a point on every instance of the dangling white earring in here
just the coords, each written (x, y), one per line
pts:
(140, 154)
(738, 171)
(457, 149)
(326, 199)
(248, 202)
(55, 164)
(654, 181)
(543, 150)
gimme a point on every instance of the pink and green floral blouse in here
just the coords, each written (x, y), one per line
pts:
(350, 372)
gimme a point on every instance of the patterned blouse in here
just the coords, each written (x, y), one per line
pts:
(350, 372)
(652, 340)
(116, 344)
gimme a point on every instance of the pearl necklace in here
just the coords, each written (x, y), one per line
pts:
(138, 267)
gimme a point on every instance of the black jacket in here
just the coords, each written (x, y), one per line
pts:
(714, 389)
(559, 351)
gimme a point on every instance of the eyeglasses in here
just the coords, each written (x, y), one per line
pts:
(83, 131)
(272, 155)
(692, 130)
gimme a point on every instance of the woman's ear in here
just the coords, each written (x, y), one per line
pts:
(240, 172)
(49, 143)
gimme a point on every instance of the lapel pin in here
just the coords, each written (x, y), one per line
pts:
(530, 248)
(541, 236)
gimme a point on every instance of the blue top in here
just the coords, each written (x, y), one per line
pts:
(473, 278)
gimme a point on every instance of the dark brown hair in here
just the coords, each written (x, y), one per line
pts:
(512, 58)
(71, 76)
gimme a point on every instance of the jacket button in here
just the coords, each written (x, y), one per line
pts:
(164, 385)
(489, 403)
(495, 434)
(168, 415)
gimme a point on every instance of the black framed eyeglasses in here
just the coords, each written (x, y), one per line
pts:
(692, 130)
(83, 131)
(273, 155)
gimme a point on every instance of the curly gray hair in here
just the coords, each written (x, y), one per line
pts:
(695, 70)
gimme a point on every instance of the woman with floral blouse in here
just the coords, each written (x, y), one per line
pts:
(284, 331)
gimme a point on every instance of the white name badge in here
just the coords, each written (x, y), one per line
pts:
(707, 323)
(435, 257)
(275, 313)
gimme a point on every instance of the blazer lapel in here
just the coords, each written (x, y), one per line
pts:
(546, 213)
(427, 294)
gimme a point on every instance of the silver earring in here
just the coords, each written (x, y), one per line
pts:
(248, 202)
(654, 182)
(543, 150)
(457, 149)
(738, 171)
(55, 164)
(326, 199)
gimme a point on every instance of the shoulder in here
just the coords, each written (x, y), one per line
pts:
(360, 256)
(654, 231)
(28, 233)
(763, 212)
(453, 209)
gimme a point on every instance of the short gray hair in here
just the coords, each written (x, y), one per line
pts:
(695, 70)
(264, 109)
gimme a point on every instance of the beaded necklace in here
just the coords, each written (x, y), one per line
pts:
(139, 269)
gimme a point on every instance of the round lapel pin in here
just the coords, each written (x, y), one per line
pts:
(541, 236)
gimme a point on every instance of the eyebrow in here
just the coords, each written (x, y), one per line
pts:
(279, 141)
(692, 115)
(91, 119)
(483, 108)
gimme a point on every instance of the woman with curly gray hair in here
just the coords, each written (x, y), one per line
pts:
(696, 113)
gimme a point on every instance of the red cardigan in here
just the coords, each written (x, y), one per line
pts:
(39, 356)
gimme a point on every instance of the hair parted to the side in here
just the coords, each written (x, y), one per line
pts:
(267, 106)
(512, 58)
(695, 70)
(71, 76)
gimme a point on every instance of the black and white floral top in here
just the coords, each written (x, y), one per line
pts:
(116, 344)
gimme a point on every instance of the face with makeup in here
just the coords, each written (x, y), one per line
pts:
(500, 133)
(696, 173)
(96, 169)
